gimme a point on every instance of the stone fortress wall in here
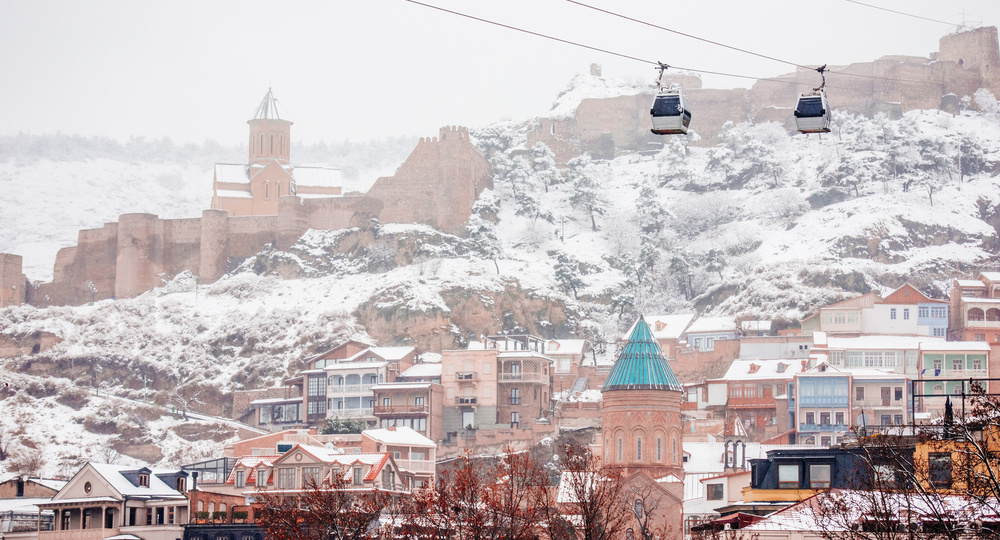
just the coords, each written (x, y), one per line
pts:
(437, 185)
(966, 62)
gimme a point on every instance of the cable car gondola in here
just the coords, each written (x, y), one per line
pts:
(670, 113)
(812, 111)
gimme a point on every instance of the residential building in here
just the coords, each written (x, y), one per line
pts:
(415, 400)
(104, 501)
(820, 405)
(497, 390)
(896, 354)
(567, 356)
(305, 466)
(975, 308)
(13, 486)
(705, 332)
(905, 311)
(412, 452)
(753, 388)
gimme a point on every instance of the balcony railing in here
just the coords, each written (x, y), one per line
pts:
(465, 400)
(822, 427)
(752, 402)
(351, 413)
(401, 409)
(350, 389)
(515, 401)
(954, 373)
(466, 376)
(416, 465)
(530, 377)
(880, 403)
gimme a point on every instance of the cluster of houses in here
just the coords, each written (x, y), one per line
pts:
(771, 432)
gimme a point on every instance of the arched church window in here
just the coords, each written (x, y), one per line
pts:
(267, 190)
(272, 144)
(619, 449)
(675, 449)
(659, 450)
(638, 449)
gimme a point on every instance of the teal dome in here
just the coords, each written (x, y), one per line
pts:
(641, 365)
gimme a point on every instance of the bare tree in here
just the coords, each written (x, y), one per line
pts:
(594, 494)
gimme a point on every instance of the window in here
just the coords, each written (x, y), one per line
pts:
(619, 449)
(824, 418)
(939, 469)
(419, 400)
(898, 419)
(515, 396)
(810, 418)
(885, 419)
(788, 476)
(938, 362)
(938, 312)
(515, 419)
(358, 478)
(940, 332)
(906, 314)
(241, 479)
(979, 337)
(892, 313)
(956, 364)
(181, 484)
(898, 393)
(143, 480)
(824, 441)
(923, 312)
(715, 492)
(659, 450)
(859, 393)
(819, 476)
(310, 476)
(839, 418)
(638, 448)
(386, 402)
(286, 478)
(65, 520)
(977, 363)
(170, 515)
(388, 479)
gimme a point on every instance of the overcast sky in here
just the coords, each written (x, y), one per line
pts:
(196, 70)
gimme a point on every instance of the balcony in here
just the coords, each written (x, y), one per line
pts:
(466, 376)
(929, 374)
(514, 401)
(751, 403)
(400, 409)
(350, 413)
(338, 389)
(879, 403)
(824, 428)
(465, 400)
(416, 465)
(524, 377)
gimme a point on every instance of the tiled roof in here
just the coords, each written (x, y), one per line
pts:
(641, 365)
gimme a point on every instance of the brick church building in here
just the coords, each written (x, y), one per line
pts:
(641, 433)
(253, 189)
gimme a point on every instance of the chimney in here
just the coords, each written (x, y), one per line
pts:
(803, 365)
(194, 480)
(391, 428)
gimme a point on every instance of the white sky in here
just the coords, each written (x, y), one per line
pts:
(195, 70)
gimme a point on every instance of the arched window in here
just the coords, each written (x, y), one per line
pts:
(993, 314)
(638, 448)
(975, 314)
(675, 448)
(619, 448)
(659, 449)
(222, 507)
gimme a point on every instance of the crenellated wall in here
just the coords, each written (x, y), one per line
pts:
(436, 185)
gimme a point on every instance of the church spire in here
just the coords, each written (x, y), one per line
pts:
(268, 108)
(641, 365)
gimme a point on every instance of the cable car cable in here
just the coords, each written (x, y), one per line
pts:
(655, 64)
(731, 47)
(626, 17)
(907, 14)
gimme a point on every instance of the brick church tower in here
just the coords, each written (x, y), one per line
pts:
(641, 418)
(270, 135)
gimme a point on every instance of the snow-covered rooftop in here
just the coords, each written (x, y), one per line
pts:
(422, 370)
(401, 436)
(665, 326)
(316, 177)
(712, 324)
(745, 370)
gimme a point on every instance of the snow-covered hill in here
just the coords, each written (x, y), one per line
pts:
(765, 224)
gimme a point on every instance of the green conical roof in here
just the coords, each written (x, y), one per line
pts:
(641, 365)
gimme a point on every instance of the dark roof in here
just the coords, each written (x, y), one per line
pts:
(641, 364)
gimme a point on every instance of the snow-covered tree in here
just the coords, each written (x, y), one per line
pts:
(543, 164)
(568, 271)
(587, 193)
(484, 240)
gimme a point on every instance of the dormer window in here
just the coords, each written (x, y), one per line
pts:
(753, 368)
(143, 480)
(181, 484)
(781, 367)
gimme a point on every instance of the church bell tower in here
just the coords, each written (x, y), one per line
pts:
(270, 135)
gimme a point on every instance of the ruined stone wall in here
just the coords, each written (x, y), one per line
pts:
(892, 84)
(437, 184)
(12, 280)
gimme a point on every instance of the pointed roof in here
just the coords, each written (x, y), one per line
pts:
(268, 108)
(641, 365)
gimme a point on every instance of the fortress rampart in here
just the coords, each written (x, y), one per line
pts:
(437, 185)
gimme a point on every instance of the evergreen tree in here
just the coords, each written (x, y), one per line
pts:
(543, 164)
(568, 273)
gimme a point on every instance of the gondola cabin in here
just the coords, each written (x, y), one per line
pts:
(812, 113)
(670, 113)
